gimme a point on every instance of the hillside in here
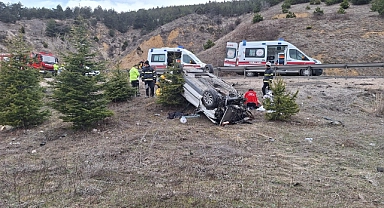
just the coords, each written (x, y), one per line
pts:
(333, 38)
(330, 154)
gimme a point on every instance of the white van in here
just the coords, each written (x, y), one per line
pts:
(161, 58)
(257, 53)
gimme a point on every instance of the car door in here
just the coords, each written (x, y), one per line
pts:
(296, 57)
(231, 54)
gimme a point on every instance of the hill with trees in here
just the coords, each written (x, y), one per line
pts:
(124, 38)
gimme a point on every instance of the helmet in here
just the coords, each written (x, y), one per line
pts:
(268, 64)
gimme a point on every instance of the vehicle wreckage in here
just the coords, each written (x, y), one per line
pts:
(218, 100)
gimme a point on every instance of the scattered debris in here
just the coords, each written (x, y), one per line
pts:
(334, 122)
(183, 119)
(309, 139)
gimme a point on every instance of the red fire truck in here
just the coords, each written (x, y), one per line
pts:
(43, 61)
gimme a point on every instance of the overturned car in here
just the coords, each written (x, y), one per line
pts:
(218, 100)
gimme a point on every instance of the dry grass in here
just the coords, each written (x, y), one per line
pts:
(141, 159)
(379, 104)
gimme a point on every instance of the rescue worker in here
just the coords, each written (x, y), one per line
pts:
(134, 76)
(141, 64)
(148, 76)
(268, 77)
(251, 100)
(55, 69)
(61, 68)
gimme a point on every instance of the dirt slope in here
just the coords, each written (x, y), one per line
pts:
(355, 37)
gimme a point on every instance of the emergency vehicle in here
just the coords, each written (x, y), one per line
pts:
(161, 58)
(43, 61)
(4, 56)
(257, 53)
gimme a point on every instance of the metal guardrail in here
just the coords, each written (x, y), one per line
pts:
(261, 69)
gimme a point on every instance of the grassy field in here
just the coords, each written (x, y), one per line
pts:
(139, 158)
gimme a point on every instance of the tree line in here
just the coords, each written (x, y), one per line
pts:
(146, 20)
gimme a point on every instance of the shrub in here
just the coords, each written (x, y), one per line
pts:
(344, 4)
(318, 12)
(45, 45)
(283, 105)
(315, 2)
(378, 6)
(171, 87)
(308, 8)
(332, 2)
(257, 18)
(238, 21)
(341, 10)
(79, 98)
(112, 33)
(21, 97)
(118, 88)
(286, 5)
(125, 45)
(360, 2)
(290, 15)
(208, 44)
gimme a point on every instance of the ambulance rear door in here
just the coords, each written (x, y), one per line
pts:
(158, 58)
(231, 54)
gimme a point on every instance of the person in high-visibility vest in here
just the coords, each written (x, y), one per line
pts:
(55, 68)
(134, 79)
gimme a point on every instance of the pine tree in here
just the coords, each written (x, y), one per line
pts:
(78, 97)
(21, 96)
(118, 88)
(283, 105)
(171, 88)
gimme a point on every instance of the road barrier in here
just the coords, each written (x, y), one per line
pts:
(260, 69)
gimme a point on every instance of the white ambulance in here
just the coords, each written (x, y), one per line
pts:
(257, 53)
(161, 58)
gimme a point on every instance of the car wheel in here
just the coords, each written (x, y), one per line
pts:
(210, 99)
(209, 68)
(250, 74)
(306, 72)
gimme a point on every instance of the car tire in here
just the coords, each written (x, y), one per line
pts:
(250, 74)
(209, 68)
(210, 99)
(306, 72)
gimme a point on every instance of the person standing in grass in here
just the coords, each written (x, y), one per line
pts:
(268, 76)
(134, 76)
(148, 76)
